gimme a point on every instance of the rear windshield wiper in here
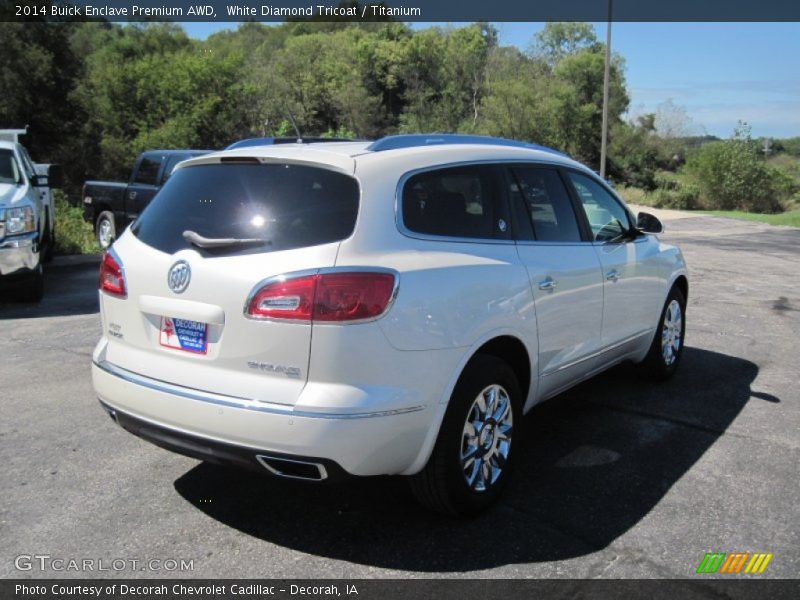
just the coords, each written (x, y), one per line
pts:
(198, 240)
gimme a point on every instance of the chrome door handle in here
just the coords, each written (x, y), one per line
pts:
(612, 275)
(548, 283)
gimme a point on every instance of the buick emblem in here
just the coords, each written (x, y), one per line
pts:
(179, 276)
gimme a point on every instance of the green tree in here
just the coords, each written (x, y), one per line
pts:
(581, 102)
(558, 40)
(444, 78)
(37, 74)
(634, 153)
(318, 79)
(149, 86)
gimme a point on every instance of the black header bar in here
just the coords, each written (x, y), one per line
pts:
(403, 10)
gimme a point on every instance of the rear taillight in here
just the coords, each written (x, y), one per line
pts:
(328, 297)
(112, 280)
(287, 299)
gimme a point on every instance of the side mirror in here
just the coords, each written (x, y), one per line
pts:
(55, 176)
(649, 223)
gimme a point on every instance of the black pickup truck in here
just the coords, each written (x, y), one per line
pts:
(111, 206)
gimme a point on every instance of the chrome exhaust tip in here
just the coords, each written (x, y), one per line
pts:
(111, 412)
(293, 469)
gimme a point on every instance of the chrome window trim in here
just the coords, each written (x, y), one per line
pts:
(398, 197)
(578, 243)
(323, 271)
(241, 403)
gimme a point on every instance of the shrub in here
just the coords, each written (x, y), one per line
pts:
(667, 181)
(73, 234)
(634, 195)
(731, 175)
(678, 197)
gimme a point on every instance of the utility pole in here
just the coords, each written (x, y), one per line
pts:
(606, 77)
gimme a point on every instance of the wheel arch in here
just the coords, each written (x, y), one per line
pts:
(99, 209)
(682, 283)
(511, 350)
(505, 345)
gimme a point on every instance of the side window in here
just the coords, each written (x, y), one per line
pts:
(607, 217)
(148, 171)
(465, 202)
(9, 170)
(546, 208)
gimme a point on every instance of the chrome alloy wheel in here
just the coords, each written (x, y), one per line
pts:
(486, 440)
(671, 333)
(104, 233)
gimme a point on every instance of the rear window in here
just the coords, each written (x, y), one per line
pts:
(287, 206)
(148, 171)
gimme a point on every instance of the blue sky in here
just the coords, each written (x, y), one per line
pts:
(721, 72)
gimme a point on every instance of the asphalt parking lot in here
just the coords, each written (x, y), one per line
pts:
(616, 478)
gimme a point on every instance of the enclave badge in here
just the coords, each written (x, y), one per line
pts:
(179, 276)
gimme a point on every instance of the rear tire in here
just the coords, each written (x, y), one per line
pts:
(105, 230)
(666, 349)
(472, 458)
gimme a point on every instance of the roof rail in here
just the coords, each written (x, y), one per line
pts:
(269, 141)
(396, 142)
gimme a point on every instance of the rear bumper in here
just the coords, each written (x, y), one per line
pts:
(234, 430)
(222, 453)
(19, 254)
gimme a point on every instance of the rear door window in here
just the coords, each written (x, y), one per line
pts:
(546, 211)
(286, 206)
(458, 202)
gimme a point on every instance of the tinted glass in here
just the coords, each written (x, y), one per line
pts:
(287, 206)
(170, 165)
(546, 205)
(148, 171)
(455, 202)
(607, 217)
(9, 170)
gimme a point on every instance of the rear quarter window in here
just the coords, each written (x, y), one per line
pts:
(459, 202)
(287, 206)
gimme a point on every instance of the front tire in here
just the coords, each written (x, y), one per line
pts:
(666, 349)
(33, 287)
(49, 243)
(472, 458)
(105, 229)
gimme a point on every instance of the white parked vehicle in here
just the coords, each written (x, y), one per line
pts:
(393, 307)
(27, 219)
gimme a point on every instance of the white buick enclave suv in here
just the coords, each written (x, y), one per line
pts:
(368, 308)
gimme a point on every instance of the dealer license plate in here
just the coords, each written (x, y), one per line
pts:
(181, 334)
